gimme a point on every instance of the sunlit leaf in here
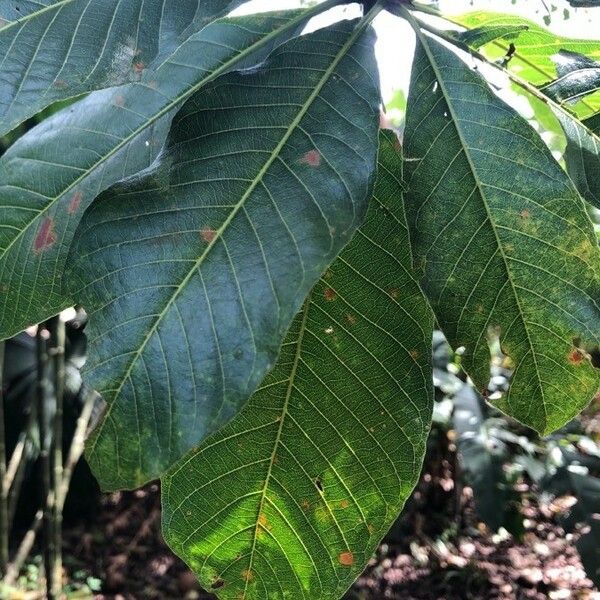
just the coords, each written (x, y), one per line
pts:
(292, 497)
(535, 49)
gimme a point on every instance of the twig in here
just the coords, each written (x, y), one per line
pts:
(43, 400)
(57, 354)
(3, 493)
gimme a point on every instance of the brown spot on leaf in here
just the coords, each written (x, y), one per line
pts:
(346, 559)
(45, 237)
(139, 67)
(219, 583)
(264, 522)
(208, 234)
(576, 356)
(351, 319)
(393, 293)
(415, 354)
(305, 504)
(75, 203)
(312, 158)
(329, 295)
(248, 575)
(525, 214)
(344, 504)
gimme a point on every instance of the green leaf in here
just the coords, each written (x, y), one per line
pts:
(504, 239)
(292, 497)
(578, 76)
(480, 36)
(50, 176)
(535, 49)
(57, 49)
(194, 270)
(582, 154)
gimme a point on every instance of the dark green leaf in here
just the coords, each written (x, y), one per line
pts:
(51, 175)
(578, 76)
(58, 49)
(504, 239)
(292, 497)
(193, 271)
(584, 3)
(582, 154)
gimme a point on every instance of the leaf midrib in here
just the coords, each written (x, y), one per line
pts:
(480, 187)
(165, 110)
(284, 413)
(238, 206)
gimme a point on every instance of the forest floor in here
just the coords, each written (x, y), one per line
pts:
(124, 553)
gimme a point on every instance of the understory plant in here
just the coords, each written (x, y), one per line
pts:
(262, 265)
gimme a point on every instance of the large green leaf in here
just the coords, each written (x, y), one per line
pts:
(504, 240)
(50, 176)
(193, 271)
(292, 497)
(58, 49)
(535, 49)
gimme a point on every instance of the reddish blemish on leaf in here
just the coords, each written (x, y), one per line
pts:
(346, 559)
(46, 236)
(576, 357)
(139, 67)
(312, 158)
(75, 203)
(208, 234)
(329, 295)
(344, 504)
(264, 522)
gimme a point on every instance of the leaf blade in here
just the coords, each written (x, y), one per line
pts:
(192, 254)
(503, 281)
(315, 454)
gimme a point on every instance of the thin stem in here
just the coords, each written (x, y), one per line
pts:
(57, 353)
(43, 400)
(3, 492)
